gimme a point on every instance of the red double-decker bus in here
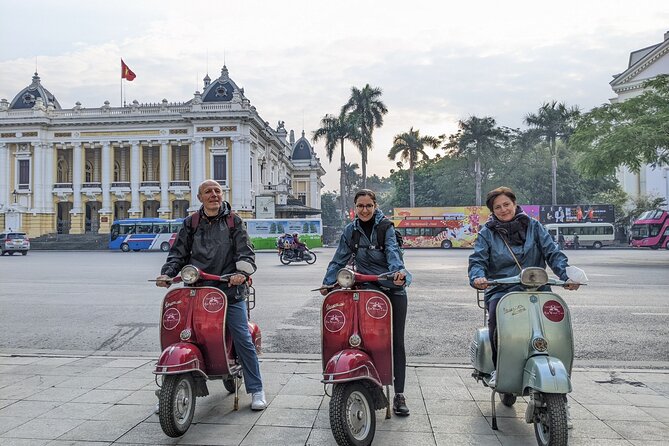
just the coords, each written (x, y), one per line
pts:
(651, 230)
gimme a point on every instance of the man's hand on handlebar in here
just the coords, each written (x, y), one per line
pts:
(237, 279)
(481, 283)
(163, 281)
(571, 285)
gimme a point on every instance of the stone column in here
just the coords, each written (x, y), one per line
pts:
(38, 178)
(164, 180)
(106, 178)
(49, 167)
(135, 173)
(196, 171)
(5, 198)
(77, 220)
(235, 178)
(245, 178)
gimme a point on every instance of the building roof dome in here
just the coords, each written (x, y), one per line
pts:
(221, 89)
(302, 150)
(28, 96)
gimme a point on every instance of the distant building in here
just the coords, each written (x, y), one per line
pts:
(644, 64)
(76, 170)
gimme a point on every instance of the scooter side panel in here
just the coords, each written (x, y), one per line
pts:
(376, 331)
(173, 316)
(481, 352)
(209, 315)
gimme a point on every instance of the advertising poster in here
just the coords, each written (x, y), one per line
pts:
(577, 213)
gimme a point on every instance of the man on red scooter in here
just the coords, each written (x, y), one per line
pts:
(215, 248)
(372, 259)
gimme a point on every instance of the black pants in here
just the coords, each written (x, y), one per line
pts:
(398, 299)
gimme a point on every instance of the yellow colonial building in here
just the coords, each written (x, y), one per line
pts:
(74, 171)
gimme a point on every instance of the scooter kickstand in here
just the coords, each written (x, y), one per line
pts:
(388, 400)
(236, 403)
(494, 414)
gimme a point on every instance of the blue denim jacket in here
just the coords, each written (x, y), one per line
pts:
(491, 258)
(367, 261)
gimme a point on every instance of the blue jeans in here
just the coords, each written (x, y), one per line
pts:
(237, 323)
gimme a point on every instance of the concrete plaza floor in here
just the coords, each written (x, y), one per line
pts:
(65, 399)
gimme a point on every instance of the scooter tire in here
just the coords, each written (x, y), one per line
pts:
(284, 260)
(229, 384)
(550, 425)
(310, 257)
(176, 404)
(508, 400)
(352, 415)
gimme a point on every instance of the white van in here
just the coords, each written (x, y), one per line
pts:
(590, 235)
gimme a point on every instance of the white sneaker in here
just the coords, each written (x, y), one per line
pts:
(258, 401)
(493, 379)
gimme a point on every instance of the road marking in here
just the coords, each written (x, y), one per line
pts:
(650, 314)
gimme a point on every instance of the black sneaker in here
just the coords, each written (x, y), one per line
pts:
(400, 405)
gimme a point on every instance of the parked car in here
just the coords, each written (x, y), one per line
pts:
(11, 242)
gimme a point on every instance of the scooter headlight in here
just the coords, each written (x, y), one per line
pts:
(345, 278)
(540, 344)
(534, 277)
(190, 274)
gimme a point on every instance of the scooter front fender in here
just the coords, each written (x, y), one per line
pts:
(350, 365)
(545, 374)
(181, 358)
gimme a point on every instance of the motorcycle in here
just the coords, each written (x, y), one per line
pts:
(357, 355)
(289, 255)
(535, 353)
(196, 347)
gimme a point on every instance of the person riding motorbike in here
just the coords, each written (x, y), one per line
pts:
(371, 259)
(298, 246)
(215, 248)
(509, 241)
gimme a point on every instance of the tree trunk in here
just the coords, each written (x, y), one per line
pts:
(342, 183)
(364, 171)
(477, 169)
(554, 173)
(412, 196)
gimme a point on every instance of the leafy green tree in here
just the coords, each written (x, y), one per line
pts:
(331, 217)
(477, 137)
(409, 145)
(630, 133)
(554, 121)
(337, 129)
(366, 109)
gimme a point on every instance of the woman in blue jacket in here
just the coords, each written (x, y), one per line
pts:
(369, 258)
(509, 229)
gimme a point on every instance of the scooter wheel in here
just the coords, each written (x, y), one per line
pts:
(550, 424)
(310, 257)
(508, 400)
(352, 416)
(229, 384)
(177, 404)
(284, 260)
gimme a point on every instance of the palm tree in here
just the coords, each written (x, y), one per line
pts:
(409, 145)
(553, 121)
(352, 178)
(478, 137)
(367, 110)
(337, 129)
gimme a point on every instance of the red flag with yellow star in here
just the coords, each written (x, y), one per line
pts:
(126, 72)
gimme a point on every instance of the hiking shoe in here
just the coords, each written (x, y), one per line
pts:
(400, 405)
(493, 379)
(258, 401)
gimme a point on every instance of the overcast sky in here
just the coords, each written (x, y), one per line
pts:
(436, 61)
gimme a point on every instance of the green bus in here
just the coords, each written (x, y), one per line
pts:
(265, 232)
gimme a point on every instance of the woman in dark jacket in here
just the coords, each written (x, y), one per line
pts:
(371, 259)
(509, 229)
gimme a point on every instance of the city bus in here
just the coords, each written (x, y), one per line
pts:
(144, 233)
(590, 235)
(436, 232)
(651, 230)
(264, 232)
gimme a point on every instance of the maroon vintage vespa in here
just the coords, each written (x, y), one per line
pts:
(356, 333)
(196, 347)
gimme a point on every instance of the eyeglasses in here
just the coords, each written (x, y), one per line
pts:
(364, 206)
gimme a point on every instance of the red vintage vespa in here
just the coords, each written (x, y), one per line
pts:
(356, 334)
(196, 347)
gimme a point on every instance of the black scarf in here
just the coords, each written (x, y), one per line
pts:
(514, 231)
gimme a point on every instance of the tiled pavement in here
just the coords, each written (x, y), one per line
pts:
(100, 400)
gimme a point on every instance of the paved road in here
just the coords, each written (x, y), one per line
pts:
(101, 301)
